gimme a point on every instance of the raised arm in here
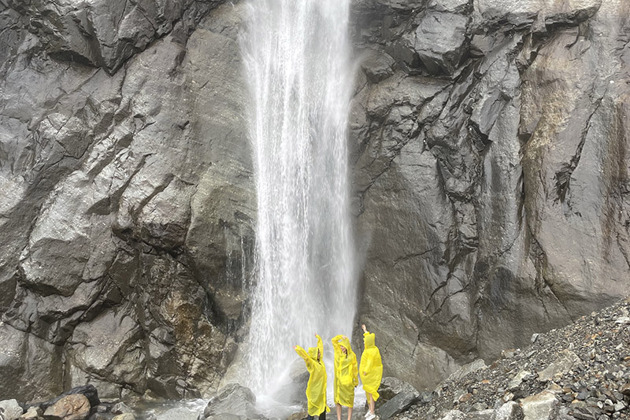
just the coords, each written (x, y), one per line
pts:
(303, 354)
(320, 346)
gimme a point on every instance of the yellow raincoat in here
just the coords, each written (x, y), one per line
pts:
(371, 368)
(346, 372)
(316, 388)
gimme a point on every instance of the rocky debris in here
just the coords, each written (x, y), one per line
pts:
(232, 401)
(581, 371)
(10, 410)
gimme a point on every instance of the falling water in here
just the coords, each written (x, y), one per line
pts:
(296, 55)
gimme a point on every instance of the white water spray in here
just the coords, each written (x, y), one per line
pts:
(297, 61)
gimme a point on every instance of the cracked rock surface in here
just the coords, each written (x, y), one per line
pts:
(122, 256)
(490, 144)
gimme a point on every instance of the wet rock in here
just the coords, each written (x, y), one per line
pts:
(377, 65)
(125, 416)
(439, 41)
(390, 387)
(397, 404)
(121, 408)
(70, 407)
(89, 391)
(10, 410)
(294, 390)
(127, 234)
(32, 413)
(233, 400)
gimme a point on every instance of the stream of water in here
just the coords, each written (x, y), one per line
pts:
(297, 63)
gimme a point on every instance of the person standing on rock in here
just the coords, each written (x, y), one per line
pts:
(371, 371)
(346, 374)
(316, 387)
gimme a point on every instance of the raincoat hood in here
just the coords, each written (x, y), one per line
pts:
(346, 343)
(312, 352)
(369, 340)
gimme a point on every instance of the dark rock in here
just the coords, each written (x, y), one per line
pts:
(139, 239)
(440, 40)
(390, 387)
(232, 400)
(397, 404)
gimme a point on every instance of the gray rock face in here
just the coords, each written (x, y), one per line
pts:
(130, 204)
(489, 143)
(490, 175)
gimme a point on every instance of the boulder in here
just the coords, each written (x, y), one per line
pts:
(89, 391)
(398, 404)
(233, 400)
(542, 406)
(293, 391)
(120, 408)
(33, 413)
(70, 407)
(511, 410)
(563, 363)
(10, 410)
(390, 387)
(439, 41)
(454, 415)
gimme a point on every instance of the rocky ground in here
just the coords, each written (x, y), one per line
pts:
(581, 371)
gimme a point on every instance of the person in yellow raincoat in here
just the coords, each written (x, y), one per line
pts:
(371, 371)
(346, 374)
(316, 387)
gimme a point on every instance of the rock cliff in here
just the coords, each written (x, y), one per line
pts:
(489, 144)
(491, 170)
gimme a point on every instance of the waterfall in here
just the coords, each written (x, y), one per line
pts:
(297, 63)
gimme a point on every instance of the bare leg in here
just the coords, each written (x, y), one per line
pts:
(338, 411)
(371, 403)
(349, 413)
